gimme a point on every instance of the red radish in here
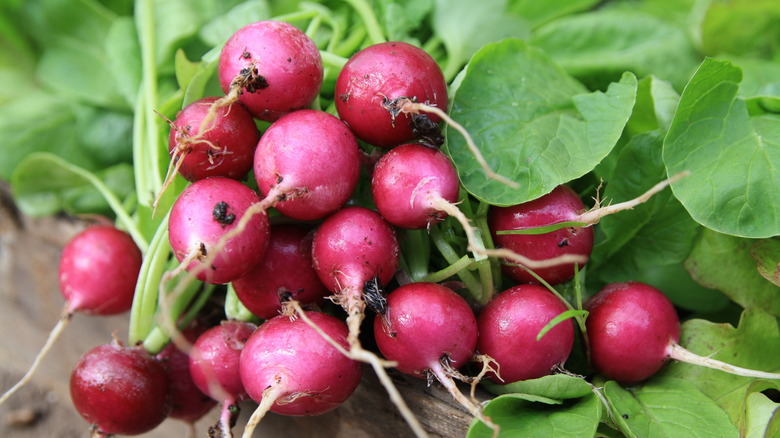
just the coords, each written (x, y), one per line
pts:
(633, 330)
(375, 78)
(508, 330)
(286, 268)
(98, 270)
(120, 390)
(272, 67)
(312, 152)
(214, 367)
(189, 403)
(225, 148)
(412, 183)
(290, 369)
(429, 331)
(204, 213)
(560, 205)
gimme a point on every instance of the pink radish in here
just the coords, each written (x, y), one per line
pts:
(375, 78)
(214, 367)
(308, 152)
(508, 330)
(414, 186)
(633, 330)
(98, 270)
(285, 268)
(120, 390)
(430, 331)
(204, 213)
(289, 368)
(272, 68)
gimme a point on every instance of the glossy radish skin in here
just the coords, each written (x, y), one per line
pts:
(352, 246)
(508, 327)
(225, 149)
(310, 150)
(120, 390)
(425, 322)
(286, 267)
(382, 72)
(287, 60)
(560, 205)
(311, 375)
(189, 403)
(214, 360)
(203, 213)
(404, 181)
(630, 326)
(98, 270)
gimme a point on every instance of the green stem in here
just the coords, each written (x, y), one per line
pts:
(449, 254)
(464, 262)
(235, 309)
(351, 45)
(146, 288)
(159, 337)
(369, 19)
(332, 60)
(417, 253)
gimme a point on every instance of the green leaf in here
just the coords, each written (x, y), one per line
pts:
(123, 55)
(401, 18)
(754, 344)
(519, 417)
(667, 407)
(766, 252)
(569, 314)
(732, 158)
(598, 47)
(471, 31)
(656, 102)
(741, 27)
(555, 386)
(723, 262)
(218, 30)
(759, 414)
(538, 13)
(533, 123)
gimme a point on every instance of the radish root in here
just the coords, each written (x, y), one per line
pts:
(677, 352)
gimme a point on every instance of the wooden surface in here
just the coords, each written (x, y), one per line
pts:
(30, 304)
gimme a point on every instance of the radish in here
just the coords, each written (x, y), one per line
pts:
(225, 148)
(214, 367)
(98, 271)
(271, 67)
(508, 330)
(289, 368)
(414, 186)
(189, 403)
(554, 254)
(311, 153)
(353, 248)
(285, 268)
(120, 390)
(373, 80)
(633, 330)
(560, 205)
(429, 331)
(200, 222)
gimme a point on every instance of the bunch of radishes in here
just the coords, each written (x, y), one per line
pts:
(295, 234)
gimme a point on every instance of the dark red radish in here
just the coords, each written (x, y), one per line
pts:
(274, 66)
(97, 273)
(287, 367)
(411, 184)
(190, 404)
(508, 330)
(429, 331)
(560, 205)
(311, 153)
(225, 148)
(633, 329)
(200, 222)
(214, 367)
(120, 390)
(285, 269)
(375, 78)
